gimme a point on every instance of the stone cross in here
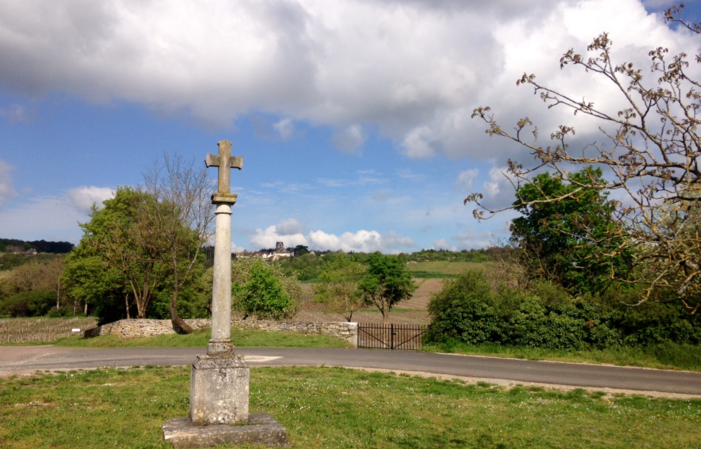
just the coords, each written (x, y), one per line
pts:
(221, 287)
(219, 384)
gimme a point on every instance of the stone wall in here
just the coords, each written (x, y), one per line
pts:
(344, 330)
(150, 328)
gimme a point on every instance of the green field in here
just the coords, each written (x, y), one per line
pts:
(443, 269)
(340, 408)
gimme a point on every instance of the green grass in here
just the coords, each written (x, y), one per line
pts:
(663, 356)
(240, 338)
(339, 408)
(434, 270)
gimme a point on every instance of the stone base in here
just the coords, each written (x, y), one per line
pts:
(261, 429)
(219, 390)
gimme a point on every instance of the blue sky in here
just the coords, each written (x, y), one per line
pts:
(352, 116)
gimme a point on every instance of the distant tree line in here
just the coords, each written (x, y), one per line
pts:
(41, 246)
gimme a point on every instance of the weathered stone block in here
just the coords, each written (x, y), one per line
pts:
(260, 428)
(219, 390)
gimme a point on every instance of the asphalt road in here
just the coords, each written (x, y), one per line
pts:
(15, 359)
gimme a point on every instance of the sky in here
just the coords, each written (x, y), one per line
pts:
(352, 116)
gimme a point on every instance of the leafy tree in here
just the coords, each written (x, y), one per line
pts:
(386, 283)
(338, 289)
(260, 289)
(90, 280)
(650, 151)
(119, 239)
(179, 212)
(574, 242)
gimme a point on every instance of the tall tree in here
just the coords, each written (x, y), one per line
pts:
(574, 242)
(123, 241)
(650, 151)
(180, 213)
(386, 282)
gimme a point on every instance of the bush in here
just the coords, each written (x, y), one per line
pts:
(260, 289)
(467, 310)
(29, 303)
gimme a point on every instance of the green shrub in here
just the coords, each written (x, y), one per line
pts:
(468, 311)
(260, 289)
(29, 303)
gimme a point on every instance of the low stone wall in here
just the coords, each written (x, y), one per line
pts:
(141, 328)
(346, 331)
(149, 328)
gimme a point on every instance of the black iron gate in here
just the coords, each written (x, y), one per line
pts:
(405, 337)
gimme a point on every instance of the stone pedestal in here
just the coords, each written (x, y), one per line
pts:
(260, 429)
(219, 390)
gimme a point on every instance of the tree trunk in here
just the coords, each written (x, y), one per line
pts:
(126, 301)
(178, 323)
(86, 308)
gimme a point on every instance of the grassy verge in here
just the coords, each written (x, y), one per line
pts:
(240, 338)
(664, 356)
(338, 408)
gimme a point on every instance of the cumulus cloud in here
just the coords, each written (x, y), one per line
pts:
(290, 232)
(466, 178)
(361, 241)
(82, 198)
(285, 128)
(413, 70)
(289, 227)
(7, 190)
(350, 139)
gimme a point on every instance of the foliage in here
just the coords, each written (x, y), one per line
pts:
(90, 280)
(178, 213)
(28, 303)
(339, 286)
(126, 246)
(469, 311)
(386, 282)
(651, 151)
(575, 241)
(261, 289)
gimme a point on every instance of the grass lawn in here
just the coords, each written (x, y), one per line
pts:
(240, 338)
(664, 356)
(442, 269)
(340, 408)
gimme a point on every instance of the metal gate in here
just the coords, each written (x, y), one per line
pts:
(406, 337)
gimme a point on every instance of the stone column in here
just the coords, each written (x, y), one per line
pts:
(221, 286)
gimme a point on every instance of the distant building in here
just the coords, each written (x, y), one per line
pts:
(268, 254)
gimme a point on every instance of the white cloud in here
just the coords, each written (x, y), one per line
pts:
(360, 241)
(350, 139)
(285, 128)
(444, 244)
(269, 237)
(417, 143)
(289, 227)
(82, 198)
(412, 70)
(7, 189)
(466, 178)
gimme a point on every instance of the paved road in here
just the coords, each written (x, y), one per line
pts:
(31, 358)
